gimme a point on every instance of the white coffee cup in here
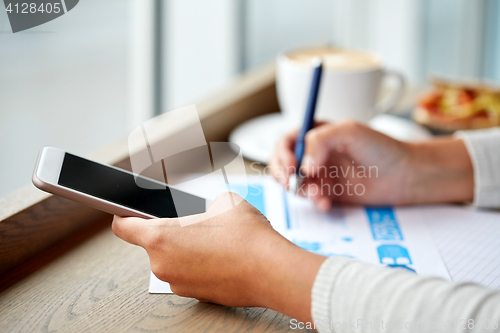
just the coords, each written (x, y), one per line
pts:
(350, 85)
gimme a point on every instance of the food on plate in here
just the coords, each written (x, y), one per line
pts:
(451, 106)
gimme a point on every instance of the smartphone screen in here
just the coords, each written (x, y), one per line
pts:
(120, 187)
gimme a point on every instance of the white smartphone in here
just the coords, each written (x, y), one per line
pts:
(108, 188)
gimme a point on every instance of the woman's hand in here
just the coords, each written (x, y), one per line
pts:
(351, 163)
(232, 258)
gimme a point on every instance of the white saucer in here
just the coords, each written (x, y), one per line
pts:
(257, 137)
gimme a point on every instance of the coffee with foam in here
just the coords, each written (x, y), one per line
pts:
(336, 59)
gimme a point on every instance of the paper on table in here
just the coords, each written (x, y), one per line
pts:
(157, 286)
(469, 242)
(384, 236)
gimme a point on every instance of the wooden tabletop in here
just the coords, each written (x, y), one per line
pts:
(101, 285)
(94, 281)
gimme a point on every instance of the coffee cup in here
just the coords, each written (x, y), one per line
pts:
(350, 85)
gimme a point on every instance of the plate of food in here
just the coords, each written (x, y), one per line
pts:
(451, 105)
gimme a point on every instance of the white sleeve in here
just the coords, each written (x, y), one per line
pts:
(350, 296)
(484, 150)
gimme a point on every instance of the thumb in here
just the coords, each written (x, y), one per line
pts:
(139, 231)
(316, 150)
(322, 141)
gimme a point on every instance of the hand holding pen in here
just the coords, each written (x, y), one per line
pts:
(295, 180)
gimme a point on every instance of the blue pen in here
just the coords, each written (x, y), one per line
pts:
(295, 180)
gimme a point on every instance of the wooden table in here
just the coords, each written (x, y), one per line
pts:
(96, 282)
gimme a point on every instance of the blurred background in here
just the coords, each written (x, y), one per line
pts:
(89, 77)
